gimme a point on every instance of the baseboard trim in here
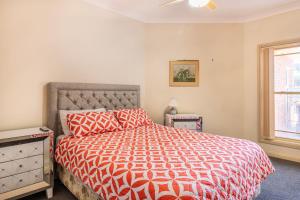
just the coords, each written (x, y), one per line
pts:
(283, 157)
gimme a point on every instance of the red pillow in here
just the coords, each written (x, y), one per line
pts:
(132, 118)
(83, 124)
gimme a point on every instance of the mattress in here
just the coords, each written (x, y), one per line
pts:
(157, 162)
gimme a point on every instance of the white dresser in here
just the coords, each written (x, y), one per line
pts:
(26, 162)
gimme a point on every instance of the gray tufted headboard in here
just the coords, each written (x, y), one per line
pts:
(82, 96)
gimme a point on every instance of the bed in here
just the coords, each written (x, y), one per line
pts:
(149, 162)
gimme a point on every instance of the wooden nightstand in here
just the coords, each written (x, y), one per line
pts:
(188, 121)
(26, 162)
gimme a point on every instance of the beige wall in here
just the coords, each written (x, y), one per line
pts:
(219, 98)
(72, 41)
(227, 96)
(272, 29)
(61, 40)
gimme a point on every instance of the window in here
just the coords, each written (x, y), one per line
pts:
(287, 92)
(280, 91)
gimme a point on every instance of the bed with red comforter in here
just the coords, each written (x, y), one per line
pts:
(157, 162)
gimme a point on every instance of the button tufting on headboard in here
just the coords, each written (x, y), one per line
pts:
(80, 96)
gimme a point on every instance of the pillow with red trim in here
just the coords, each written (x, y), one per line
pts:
(89, 123)
(132, 118)
(63, 117)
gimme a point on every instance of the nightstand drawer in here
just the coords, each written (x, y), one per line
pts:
(186, 121)
(20, 166)
(185, 124)
(21, 151)
(21, 180)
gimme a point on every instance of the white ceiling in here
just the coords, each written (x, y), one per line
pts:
(150, 11)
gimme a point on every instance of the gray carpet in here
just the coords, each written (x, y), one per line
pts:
(284, 184)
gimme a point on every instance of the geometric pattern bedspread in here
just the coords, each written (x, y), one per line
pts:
(158, 162)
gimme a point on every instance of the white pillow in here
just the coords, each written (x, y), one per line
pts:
(63, 117)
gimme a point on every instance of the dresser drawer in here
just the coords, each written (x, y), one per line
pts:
(26, 162)
(186, 124)
(21, 180)
(21, 151)
(19, 166)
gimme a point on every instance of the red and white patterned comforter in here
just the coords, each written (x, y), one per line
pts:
(157, 162)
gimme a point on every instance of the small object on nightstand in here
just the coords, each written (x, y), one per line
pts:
(173, 107)
(188, 121)
(26, 162)
(44, 129)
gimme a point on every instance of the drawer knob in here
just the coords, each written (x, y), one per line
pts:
(3, 185)
(3, 170)
(21, 151)
(36, 176)
(36, 162)
(20, 166)
(3, 154)
(35, 148)
(21, 180)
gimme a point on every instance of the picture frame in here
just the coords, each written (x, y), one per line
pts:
(184, 73)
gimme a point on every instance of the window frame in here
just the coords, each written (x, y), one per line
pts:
(266, 93)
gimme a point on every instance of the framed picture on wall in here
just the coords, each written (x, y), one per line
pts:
(184, 73)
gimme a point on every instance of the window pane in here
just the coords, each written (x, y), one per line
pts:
(287, 51)
(293, 136)
(287, 73)
(287, 113)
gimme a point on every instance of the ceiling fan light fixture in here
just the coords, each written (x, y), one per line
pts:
(198, 3)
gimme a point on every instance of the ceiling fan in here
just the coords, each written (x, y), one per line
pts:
(194, 3)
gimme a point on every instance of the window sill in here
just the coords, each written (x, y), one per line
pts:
(290, 143)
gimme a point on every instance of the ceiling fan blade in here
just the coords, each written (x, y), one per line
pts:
(170, 2)
(212, 5)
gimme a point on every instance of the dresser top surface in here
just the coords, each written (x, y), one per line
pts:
(23, 133)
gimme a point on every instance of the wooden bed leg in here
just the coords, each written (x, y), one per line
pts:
(49, 193)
